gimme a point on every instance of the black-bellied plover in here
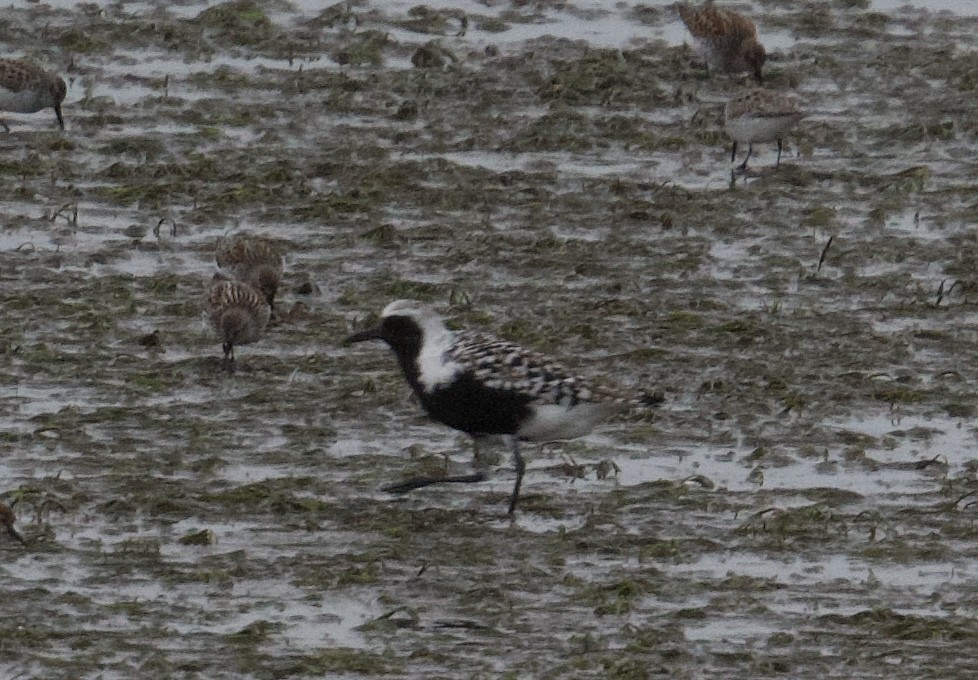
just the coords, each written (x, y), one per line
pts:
(27, 88)
(238, 313)
(759, 115)
(726, 40)
(485, 386)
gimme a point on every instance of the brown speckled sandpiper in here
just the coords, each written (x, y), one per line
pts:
(238, 313)
(255, 260)
(725, 39)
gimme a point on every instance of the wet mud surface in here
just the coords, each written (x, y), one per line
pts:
(802, 505)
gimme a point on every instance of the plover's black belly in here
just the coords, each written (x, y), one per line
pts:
(468, 405)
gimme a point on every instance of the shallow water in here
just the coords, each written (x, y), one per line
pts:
(801, 506)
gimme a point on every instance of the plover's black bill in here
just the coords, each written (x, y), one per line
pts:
(364, 335)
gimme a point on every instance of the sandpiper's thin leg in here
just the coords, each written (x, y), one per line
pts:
(228, 357)
(750, 150)
(520, 471)
(733, 152)
(778, 163)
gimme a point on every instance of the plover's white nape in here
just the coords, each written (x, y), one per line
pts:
(238, 313)
(27, 88)
(760, 115)
(726, 40)
(484, 386)
(253, 259)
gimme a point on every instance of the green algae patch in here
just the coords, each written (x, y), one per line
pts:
(889, 623)
(279, 495)
(343, 660)
(241, 22)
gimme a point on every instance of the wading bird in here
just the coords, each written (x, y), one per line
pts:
(726, 40)
(238, 313)
(27, 88)
(485, 386)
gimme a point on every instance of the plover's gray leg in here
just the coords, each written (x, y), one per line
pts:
(520, 471)
(419, 482)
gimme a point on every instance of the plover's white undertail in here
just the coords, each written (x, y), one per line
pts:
(485, 386)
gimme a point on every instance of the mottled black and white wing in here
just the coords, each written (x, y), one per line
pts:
(504, 365)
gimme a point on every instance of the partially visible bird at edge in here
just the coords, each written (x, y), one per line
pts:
(27, 88)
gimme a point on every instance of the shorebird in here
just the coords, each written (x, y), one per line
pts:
(726, 40)
(759, 115)
(238, 313)
(485, 386)
(27, 88)
(253, 259)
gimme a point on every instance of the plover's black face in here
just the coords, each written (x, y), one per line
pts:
(400, 332)
(405, 325)
(401, 326)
